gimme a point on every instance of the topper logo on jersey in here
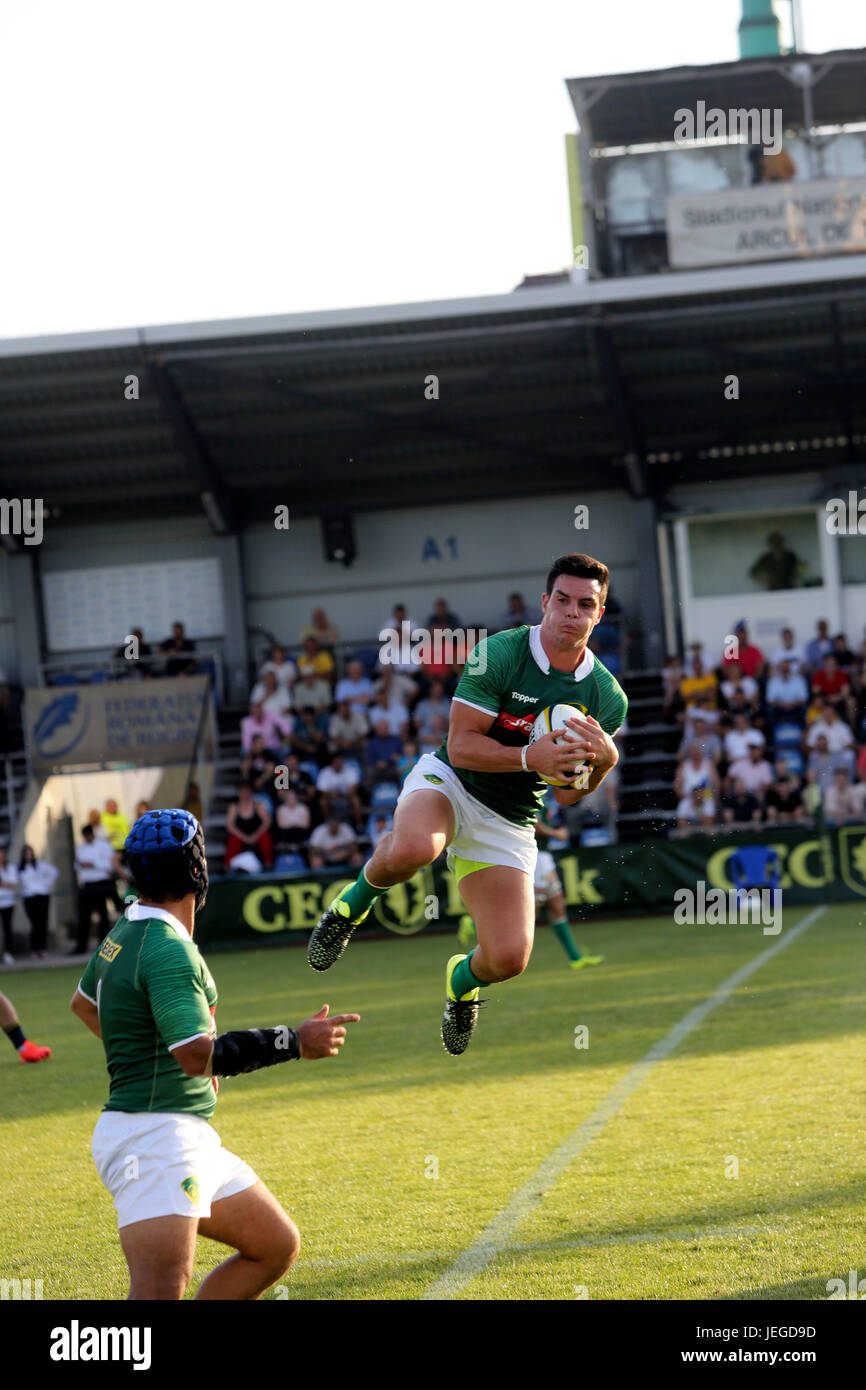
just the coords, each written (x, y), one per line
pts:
(528, 699)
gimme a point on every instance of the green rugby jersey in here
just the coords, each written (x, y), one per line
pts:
(153, 991)
(517, 684)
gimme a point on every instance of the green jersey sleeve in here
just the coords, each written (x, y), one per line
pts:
(87, 983)
(485, 675)
(614, 709)
(176, 985)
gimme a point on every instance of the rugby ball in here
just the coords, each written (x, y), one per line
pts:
(547, 722)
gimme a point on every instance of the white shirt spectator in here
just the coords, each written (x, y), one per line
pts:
(837, 734)
(796, 655)
(686, 809)
(37, 879)
(285, 674)
(396, 717)
(333, 779)
(351, 729)
(94, 862)
(790, 690)
(326, 840)
(700, 776)
(755, 777)
(748, 685)
(316, 693)
(8, 885)
(739, 741)
(401, 689)
(280, 702)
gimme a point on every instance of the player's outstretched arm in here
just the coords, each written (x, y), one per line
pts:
(250, 1049)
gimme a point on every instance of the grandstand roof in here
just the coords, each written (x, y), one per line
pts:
(612, 384)
(635, 108)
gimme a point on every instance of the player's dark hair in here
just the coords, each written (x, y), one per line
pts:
(581, 567)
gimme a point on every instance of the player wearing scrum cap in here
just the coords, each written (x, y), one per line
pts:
(149, 996)
(480, 794)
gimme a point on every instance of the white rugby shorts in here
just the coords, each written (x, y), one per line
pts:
(546, 882)
(479, 833)
(164, 1164)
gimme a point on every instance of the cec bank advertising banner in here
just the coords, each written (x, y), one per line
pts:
(145, 723)
(767, 222)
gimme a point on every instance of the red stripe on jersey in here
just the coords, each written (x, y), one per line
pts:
(521, 723)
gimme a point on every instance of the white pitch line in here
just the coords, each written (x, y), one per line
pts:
(496, 1236)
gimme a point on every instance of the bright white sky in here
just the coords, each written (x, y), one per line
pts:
(188, 160)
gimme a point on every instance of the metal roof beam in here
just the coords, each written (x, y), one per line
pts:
(215, 497)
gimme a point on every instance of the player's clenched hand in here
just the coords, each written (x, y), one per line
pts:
(321, 1036)
(600, 747)
(557, 760)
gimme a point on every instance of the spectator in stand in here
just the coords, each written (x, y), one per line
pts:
(783, 803)
(740, 738)
(822, 765)
(400, 688)
(696, 811)
(275, 729)
(787, 695)
(317, 660)
(299, 781)
(753, 771)
(333, 843)
(355, 688)
(259, 769)
(435, 703)
(310, 736)
(788, 650)
(396, 716)
(829, 726)
(291, 827)
(700, 735)
(324, 632)
(672, 674)
(381, 826)
(434, 732)
(438, 662)
(846, 660)
(442, 616)
(136, 657)
(311, 692)
(735, 683)
(740, 807)
(408, 758)
(399, 617)
(383, 749)
(178, 648)
(749, 659)
(8, 888)
(115, 825)
(518, 614)
(347, 729)
(281, 667)
(337, 785)
(695, 772)
(697, 683)
(36, 878)
(831, 682)
(95, 869)
(248, 827)
(819, 647)
(273, 697)
(841, 800)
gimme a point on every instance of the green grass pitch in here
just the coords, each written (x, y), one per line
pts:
(736, 1170)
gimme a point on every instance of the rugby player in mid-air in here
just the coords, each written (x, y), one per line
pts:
(480, 794)
(149, 996)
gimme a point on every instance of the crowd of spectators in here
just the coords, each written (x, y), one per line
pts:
(769, 739)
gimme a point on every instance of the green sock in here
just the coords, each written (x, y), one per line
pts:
(565, 939)
(361, 895)
(462, 980)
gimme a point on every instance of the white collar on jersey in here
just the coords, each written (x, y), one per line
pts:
(137, 912)
(543, 660)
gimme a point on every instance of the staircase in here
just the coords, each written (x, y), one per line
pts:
(227, 770)
(647, 800)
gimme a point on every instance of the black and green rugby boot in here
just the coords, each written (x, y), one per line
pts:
(460, 1016)
(332, 933)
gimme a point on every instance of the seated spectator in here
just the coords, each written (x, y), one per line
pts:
(784, 800)
(787, 695)
(699, 734)
(309, 737)
(433, 733)
(740, 738)
(697, 810)
(442, 616)
(291, 826)
(114, 824)
(139, 662)
(293, 778)
(672, 674)
(829, 726)
(347, 728)
(753, 771)
(258, 768)
(381, 826)
(324, 632)
(408, 758)
(332, 843)
(399, 688)
(273, 697)
(248, 828)
(696, 771)
(846, 660)
(518, 614)
(396, 716)
(383, 748)
(823, 763)
(438, 662)
(178, 648)
(735, 683)
(311, 692)
(819, 646)
(740, 807)
(435, 702)
(281, 667)
(788, 650)
(697, 683)
(355, 687)
(749, 659)
(337, 785)
(316, 660)
(275, 729)
(400, 617)
(831, 681)
(841, 800)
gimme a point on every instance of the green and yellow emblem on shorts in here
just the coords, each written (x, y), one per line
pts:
(191, 1188)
